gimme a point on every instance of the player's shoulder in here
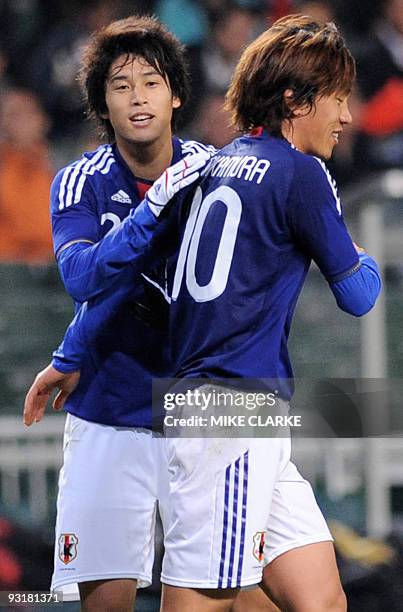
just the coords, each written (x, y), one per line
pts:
(310, 165)
(77, 177)
(89, 163)
(189, 147)
(264, 146)
(312, 172)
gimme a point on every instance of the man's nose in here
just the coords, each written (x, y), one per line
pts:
(345, 116)
(138, 95)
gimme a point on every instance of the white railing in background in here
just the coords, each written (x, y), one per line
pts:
(342, 465)
(374, 353)
(30, 454)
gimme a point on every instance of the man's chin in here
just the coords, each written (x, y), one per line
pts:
(324, 155)
(143, 140)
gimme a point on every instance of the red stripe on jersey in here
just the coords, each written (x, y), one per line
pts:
(142, 188)
(258, 131)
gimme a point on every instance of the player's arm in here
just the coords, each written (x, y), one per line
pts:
(357, 293)
(93, 315)
(41, 389)
(90, 319)
(63, 373)
(316, 219)
(89, 268)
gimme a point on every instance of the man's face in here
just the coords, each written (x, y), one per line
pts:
(317, 132)
(139, 102)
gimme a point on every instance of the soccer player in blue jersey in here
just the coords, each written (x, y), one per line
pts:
(265, 208)
(135, 81)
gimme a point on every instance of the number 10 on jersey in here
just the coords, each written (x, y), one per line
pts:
(188, 253)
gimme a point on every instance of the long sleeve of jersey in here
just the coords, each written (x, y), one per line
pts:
(84, 203)
(357, 293)
(317, 221)
(89, 256)
(94, 314)
(87, 323)
(89, 270)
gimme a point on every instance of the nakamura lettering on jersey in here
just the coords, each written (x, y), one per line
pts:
(261, 213)
(88, 198)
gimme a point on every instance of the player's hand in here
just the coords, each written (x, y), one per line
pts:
(359, 249)
(176, 177)
(38, 395)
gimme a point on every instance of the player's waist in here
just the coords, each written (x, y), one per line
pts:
(140, 417)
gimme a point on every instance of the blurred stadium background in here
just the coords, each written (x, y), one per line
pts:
(359, 482)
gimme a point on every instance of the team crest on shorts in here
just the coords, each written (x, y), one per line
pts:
(67, 547)
(258, 546)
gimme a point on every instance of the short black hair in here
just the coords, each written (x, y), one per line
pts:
(144, 37)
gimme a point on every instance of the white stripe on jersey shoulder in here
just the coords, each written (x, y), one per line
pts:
(74, 176)
(332, 183)
(189, 147)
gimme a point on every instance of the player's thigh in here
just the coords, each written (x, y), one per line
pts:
(203, 600)
(305, 579)
(295, 517)
(106, 505)
(111, 595)
(220, 491)
(301, 571)
(253, 600)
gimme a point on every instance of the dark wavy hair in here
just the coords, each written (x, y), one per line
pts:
(297, 53)
(143, 37)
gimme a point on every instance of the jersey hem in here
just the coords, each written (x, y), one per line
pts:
(143, 581)
(210, 584)
(297, 544)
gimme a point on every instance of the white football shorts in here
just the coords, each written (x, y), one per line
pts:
(236, 505)
(109, 485)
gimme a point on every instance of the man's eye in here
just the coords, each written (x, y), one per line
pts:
(151, 83)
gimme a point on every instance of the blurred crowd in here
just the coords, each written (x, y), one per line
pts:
(42, 118)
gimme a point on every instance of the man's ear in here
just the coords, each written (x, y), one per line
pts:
(176, 103)
(288, 96)
(297, 111)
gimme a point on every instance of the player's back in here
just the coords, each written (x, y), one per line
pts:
(242, 261)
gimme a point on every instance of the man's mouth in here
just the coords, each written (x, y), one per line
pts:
(140, 119)
(336, 136)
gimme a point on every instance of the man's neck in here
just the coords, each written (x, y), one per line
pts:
(147, 161)
(287, 131)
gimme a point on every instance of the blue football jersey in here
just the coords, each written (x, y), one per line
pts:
(259, 216)
(88, 198)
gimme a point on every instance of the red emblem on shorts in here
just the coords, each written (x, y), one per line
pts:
(67, 547)
(258, 546)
